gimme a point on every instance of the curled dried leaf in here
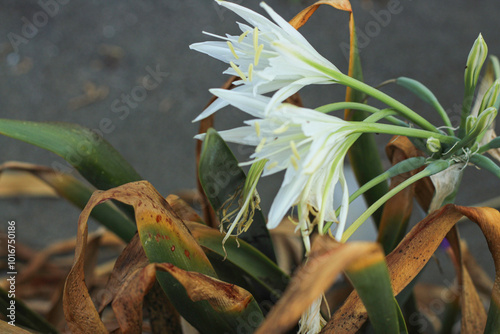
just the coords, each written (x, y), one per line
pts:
(415, 250)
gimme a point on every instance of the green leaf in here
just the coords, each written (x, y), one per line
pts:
(93, 157)
(493, 322)
(363, 155)
(222, 178)
(371, 280)
(24, 316)
(426, 95)
(243, 255)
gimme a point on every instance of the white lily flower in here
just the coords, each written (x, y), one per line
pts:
(308, 145)
(267, 57)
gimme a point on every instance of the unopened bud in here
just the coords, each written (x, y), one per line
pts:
(433, 145)
(470, 123)
(490, 98)
(475, 61)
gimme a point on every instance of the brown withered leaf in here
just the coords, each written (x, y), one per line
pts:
(481, 279)
(152, 212)
(301, 18)
(473, 312)
(414, 251)
(127, 305)
(163, 317)
(125, 286)
(223, 297)
(131, 259)
(14, 184)
(397, 210)
(182, 209)
(327, 260)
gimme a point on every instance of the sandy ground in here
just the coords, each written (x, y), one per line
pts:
(83, 58)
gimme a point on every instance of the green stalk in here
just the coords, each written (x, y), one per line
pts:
(397, 130)
(433, 168)
(381, 96)
(346, 80)
(402, 167)
(357, 106)
(495, 143)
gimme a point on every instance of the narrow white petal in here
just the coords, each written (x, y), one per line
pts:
(215, 106)
(217, 50)
(242, 135)
(250, 16)
(291, 31)
(344, 207)
(287, 196)
(253, 105)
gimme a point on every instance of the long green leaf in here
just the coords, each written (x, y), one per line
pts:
(243, 255)
(221, 178)
(371, 280)
(93, 157)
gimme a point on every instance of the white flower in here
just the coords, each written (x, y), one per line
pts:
(267, 57)
(308, 145)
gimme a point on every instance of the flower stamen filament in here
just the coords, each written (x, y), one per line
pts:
(238, 71)
(231, 47)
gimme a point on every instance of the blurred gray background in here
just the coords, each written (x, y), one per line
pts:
(83, 58)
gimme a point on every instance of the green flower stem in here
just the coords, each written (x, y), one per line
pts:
(495, 143)
(381, 96)
(433, 168)
(357, 106)
(398, 130)
(346, 80)
(486, 163)
(346, 105)
(402, 167)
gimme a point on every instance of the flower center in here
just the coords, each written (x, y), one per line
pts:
(257, 51)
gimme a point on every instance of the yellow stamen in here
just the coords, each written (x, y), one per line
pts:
(250, 72)
(258, 51)
(232, 49)
(272, 165)
(294, 162)
(261, 145)
(255, 38)
(240, 73)
(281, 129)
(257, 128)
(294, 150)
(240, 39)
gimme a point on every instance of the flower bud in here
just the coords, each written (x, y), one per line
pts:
(475, 61)
(490, 98)
(470, 123)
(484, 121)
(433, 145)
